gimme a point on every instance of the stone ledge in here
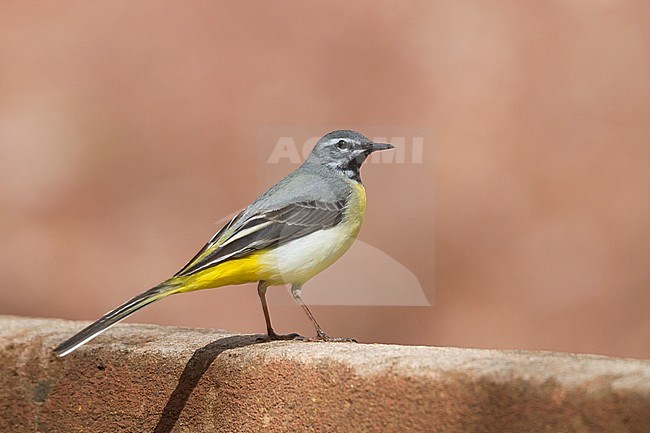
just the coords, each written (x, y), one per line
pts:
(149, 378)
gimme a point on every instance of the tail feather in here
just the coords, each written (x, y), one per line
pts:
(112, 317)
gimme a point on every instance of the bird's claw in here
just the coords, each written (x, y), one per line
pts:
(321, 336)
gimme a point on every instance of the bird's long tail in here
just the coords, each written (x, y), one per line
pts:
(112, 317)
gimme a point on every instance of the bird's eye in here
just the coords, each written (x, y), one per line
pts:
(344, 145)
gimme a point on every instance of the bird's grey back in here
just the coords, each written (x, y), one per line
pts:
(314, 180)
(309, 182)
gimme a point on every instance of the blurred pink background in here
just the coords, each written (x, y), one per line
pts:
(127, 129)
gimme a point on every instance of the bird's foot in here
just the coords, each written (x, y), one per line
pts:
(272, 336)
(321, 336)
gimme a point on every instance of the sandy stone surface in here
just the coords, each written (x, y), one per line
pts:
(149, 378)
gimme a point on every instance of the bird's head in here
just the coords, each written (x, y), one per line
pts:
(345, 150)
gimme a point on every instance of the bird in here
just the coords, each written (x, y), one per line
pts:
(293, 231)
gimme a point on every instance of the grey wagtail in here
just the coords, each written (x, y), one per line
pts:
(296, 229)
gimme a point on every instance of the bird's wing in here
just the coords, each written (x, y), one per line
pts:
(245, 234)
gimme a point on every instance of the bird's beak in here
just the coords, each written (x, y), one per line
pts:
(380, 146)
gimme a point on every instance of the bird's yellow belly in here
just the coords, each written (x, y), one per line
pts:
(246, 269)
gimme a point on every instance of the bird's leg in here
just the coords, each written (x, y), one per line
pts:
(262, 286)
(261, 290)
(296, 290)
